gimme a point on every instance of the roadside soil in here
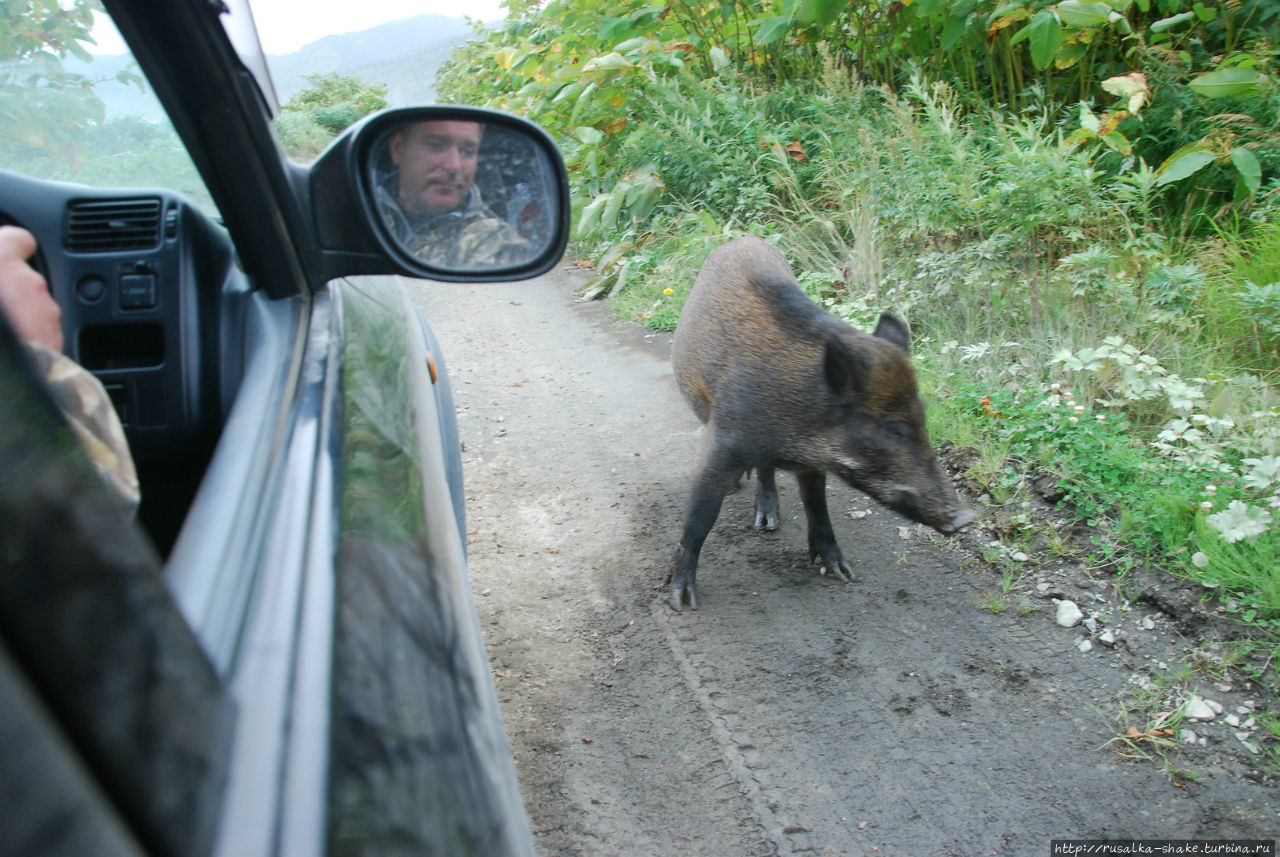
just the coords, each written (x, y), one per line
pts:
(793, 714)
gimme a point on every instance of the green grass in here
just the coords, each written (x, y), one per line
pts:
(1147, 724)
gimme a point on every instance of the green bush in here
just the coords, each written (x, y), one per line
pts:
(312, 117)
(301, 135)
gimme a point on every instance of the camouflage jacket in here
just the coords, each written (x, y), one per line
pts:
(469, 239)
(85, 405)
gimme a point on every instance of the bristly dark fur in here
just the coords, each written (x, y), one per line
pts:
(782, 384)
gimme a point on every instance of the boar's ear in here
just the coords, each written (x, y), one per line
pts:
(892, 329)
(843, 368)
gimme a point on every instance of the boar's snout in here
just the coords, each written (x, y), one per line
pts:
(946, 519)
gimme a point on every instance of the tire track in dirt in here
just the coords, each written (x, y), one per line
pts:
(747, 769)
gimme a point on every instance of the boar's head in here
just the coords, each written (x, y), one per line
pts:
(878, 442)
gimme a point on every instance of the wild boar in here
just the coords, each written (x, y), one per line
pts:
(781, 383)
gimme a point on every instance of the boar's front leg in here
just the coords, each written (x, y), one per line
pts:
(822, 537)
(704, 507)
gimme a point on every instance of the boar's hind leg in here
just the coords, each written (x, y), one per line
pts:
(766, 500)
(704, 507)
(822, 537)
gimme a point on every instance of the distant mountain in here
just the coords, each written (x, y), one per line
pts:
(403, 55)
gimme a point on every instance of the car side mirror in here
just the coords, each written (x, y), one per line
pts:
(460, 194)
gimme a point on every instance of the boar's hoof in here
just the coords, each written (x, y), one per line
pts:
(682, 594)
(765, 522)
(833, 564)
(959, 521)
(831, 561)
(839, 572)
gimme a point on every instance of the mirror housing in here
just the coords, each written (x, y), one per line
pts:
(499, 207)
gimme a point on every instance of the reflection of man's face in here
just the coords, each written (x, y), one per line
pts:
(437, 162)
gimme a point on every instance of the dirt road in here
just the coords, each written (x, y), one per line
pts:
(792, 714)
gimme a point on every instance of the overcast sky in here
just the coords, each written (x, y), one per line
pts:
(286, 25)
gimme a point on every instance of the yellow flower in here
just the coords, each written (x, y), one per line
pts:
(668, 291)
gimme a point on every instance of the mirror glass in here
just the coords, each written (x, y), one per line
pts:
(465, 196)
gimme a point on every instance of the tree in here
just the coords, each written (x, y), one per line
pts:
(44, 106)
(317, 114)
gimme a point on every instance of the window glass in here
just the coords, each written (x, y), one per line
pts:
(78, 109)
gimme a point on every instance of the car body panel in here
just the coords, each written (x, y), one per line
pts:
(428, 729)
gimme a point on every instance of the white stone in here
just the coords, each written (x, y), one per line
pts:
(1231, 720)
(1243, 738)
(1068, 615)
(1147, 623)
(1189, 737)
(1217, 707)
(1107, 637)
(1091, 625)
(1085, 646)
(1199, 709)
(1018, 556)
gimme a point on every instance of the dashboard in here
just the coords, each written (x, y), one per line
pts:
(153, 304)
(145, 281)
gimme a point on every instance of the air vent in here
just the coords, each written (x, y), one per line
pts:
(113, 225)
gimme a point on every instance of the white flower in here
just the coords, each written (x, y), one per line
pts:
(1206, 507)
(1200, 559)
(1239, 522)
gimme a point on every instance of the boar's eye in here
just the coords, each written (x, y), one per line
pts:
(896, 431)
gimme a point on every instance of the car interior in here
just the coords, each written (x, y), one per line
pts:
(155, 306)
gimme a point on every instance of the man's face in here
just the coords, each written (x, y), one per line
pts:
(437, 162)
